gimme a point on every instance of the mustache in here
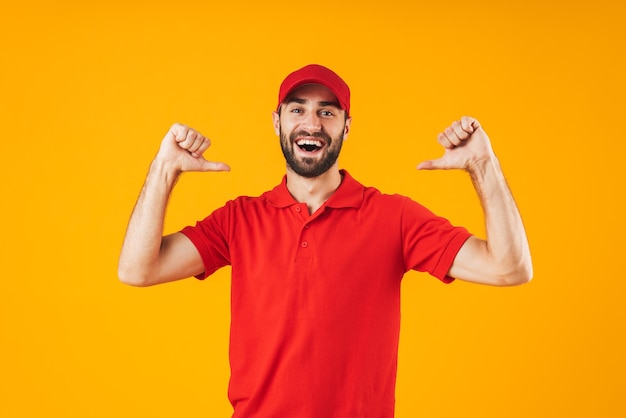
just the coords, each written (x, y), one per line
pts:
(320, 134)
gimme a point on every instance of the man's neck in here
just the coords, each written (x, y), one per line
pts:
(313, 191)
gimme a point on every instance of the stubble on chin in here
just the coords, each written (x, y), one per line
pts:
(309, 167)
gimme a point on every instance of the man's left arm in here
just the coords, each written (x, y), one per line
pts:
(503, 259)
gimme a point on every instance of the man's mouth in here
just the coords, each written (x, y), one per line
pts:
(310, 145)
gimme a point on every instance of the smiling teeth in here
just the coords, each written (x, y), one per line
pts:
(309, 142)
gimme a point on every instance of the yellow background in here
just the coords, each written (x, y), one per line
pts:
(89, 89)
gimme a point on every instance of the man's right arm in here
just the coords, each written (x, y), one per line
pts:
(147, 257)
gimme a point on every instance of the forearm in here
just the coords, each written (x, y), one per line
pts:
(139, 257)
(506, 245)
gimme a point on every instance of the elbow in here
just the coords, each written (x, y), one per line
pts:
(524, 273)
(132, 278)
(527, 275)
(517, 275)
(518, 278)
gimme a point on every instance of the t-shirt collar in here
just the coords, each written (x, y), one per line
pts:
(348, 195)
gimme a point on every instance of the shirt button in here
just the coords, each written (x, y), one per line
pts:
(307, 226)
(305, 244)
(298, 208)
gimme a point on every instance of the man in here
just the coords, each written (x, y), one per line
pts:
(317, 261)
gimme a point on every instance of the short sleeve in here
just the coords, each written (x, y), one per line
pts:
(430, 242)
(210, 237)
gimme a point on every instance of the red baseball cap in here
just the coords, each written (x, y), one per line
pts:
(316, 74)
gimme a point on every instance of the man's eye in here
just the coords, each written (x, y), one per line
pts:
(296, 110)
(326, 113)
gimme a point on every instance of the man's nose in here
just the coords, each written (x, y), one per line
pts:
(313, 122)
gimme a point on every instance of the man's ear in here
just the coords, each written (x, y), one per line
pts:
(276, 121)
(346, 129)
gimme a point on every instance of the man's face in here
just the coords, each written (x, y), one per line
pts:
(312, 128)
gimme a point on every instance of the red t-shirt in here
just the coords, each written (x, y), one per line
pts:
(315, 299)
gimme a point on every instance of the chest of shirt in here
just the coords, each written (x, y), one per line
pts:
(332, 242)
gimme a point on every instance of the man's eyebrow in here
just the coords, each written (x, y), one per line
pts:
(335, 104)
(322, 103)
(295, 100)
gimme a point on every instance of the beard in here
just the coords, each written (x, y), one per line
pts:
(310, 167)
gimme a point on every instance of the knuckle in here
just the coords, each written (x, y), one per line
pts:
(179, 128)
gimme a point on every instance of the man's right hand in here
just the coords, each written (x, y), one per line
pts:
(182, 149)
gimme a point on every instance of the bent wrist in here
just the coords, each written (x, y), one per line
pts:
(165, 170)
(487, 177)
(480, 168)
